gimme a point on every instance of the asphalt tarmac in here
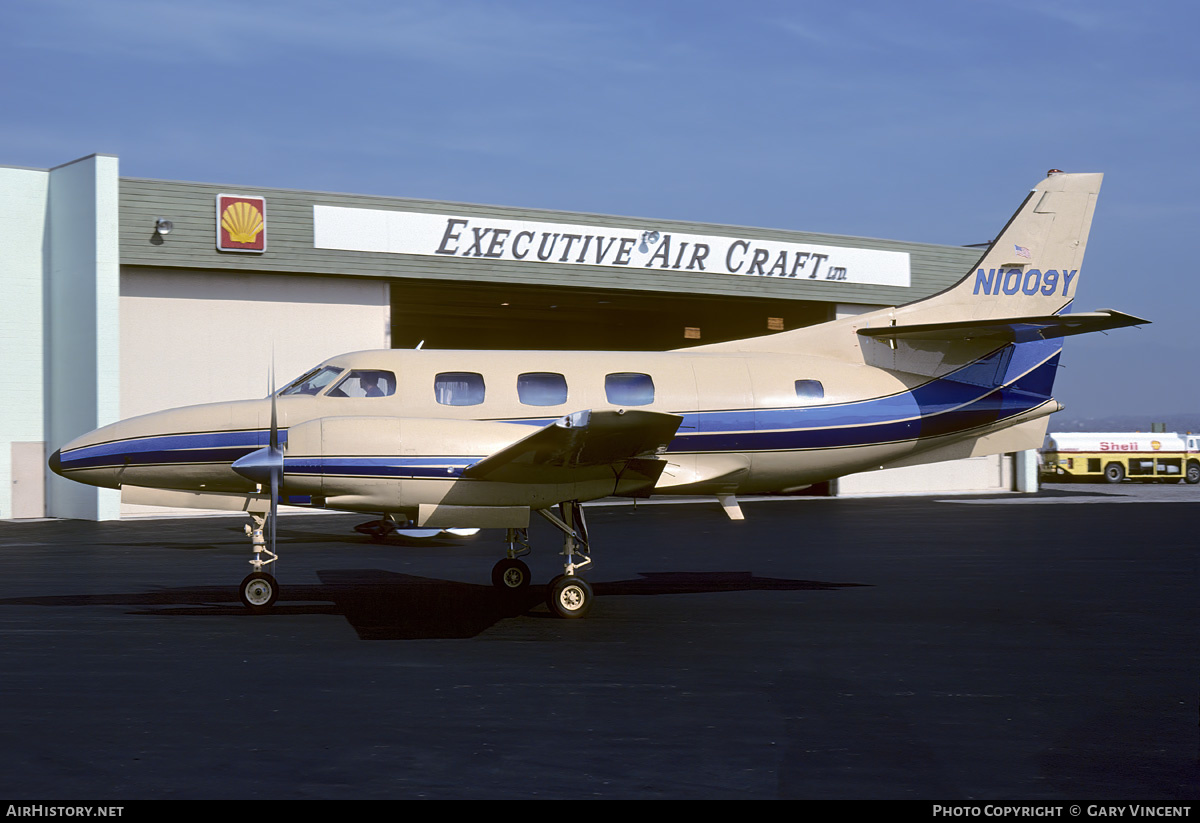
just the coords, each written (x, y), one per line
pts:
(1012, 647)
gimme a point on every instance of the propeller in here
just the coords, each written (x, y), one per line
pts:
(265, 466)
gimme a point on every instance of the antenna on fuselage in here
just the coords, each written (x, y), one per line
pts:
(419, 345)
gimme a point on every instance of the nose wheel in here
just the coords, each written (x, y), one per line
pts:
(259, 591)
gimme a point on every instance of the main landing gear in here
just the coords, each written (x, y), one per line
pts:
(567, 595)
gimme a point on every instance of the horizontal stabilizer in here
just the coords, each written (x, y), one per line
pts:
(585, 438)
(1011, 329)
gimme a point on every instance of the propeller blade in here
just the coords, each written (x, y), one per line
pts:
(276, 478)
(274, 441)
(276, 453)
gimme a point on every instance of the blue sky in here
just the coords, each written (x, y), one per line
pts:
(924, 121)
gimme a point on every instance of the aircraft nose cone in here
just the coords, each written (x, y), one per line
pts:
(55, 463)
(258, 465)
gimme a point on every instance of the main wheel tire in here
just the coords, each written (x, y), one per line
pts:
(1114, 473)
(510, 575)
(1193, 473)
(569, 596)
(259, 591)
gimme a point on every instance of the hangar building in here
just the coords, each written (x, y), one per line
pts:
(123, 296)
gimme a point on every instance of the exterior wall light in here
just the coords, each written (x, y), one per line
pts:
(163, 226)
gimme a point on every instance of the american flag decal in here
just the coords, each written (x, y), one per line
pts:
(1022, 251)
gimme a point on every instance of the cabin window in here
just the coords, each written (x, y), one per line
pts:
(810, 390)
(541, 388)
(629, 389)
(312, 382)
(365, 383)
(458, 388)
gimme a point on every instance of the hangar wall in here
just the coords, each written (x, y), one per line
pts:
(59, 255)
(990, 473)
(24, 194)
(242, 323)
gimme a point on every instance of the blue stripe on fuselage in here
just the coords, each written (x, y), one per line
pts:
(202, 447)
(939, 407)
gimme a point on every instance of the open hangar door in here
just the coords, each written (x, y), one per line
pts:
(458, 315)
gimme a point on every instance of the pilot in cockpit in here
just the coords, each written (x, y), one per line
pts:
(370, 385)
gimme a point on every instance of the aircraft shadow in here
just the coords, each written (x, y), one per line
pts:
(290, 537)
(383, 605)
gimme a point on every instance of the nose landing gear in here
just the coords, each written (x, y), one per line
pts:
(259, 591)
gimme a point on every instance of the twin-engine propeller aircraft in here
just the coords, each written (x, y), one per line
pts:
(468, 439)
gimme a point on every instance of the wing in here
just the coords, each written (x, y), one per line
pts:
(623, 441)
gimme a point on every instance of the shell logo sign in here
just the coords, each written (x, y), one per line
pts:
(1154, 444)
(241, 223)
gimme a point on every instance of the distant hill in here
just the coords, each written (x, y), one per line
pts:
(1066, 422)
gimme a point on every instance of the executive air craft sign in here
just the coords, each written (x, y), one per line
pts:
(441, 235)
(241, 223)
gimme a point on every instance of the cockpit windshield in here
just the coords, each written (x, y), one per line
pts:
(311, 382)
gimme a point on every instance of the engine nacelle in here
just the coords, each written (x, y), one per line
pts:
(389, 464)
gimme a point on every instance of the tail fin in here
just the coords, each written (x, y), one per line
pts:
(1032, 268)
(1017, 291)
